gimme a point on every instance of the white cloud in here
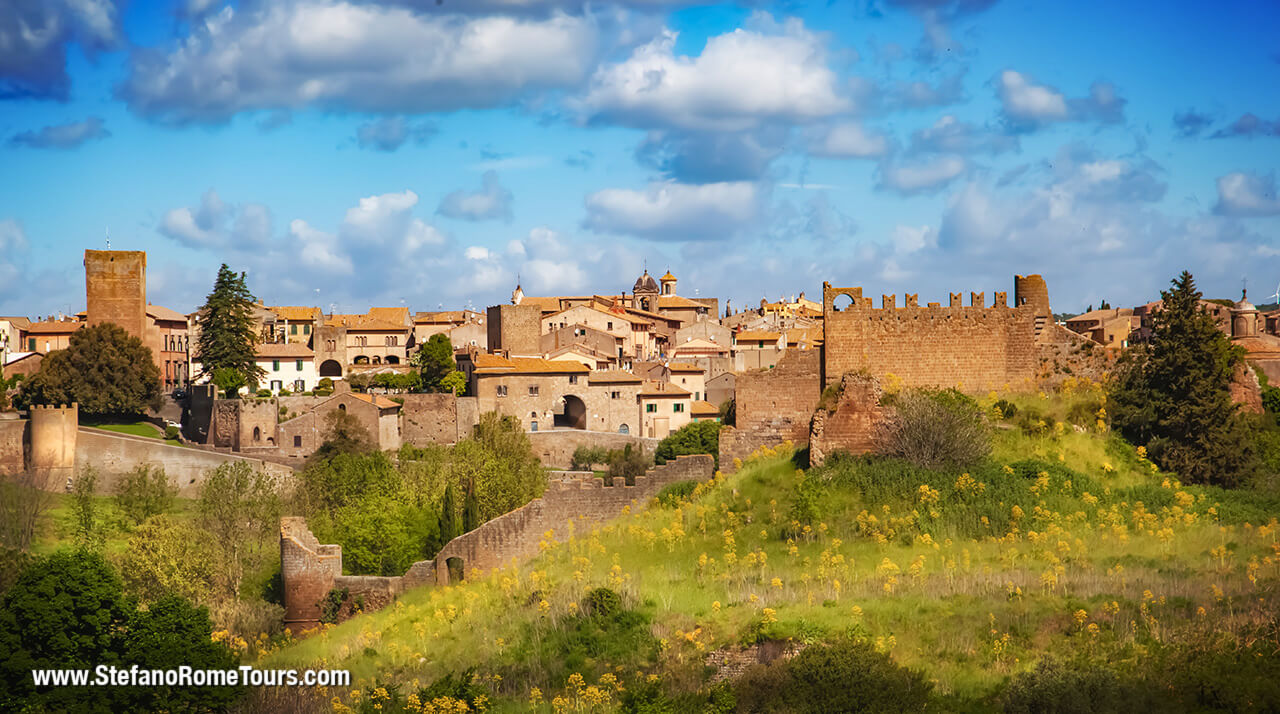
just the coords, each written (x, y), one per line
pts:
(909, 239)
(390, 133)
(920, 176)
(1247, 194)
(490, 202)
(673, 211)
(355, 57)
(952, 136)
(205, 226)
(477, 252)
(742, 79)
(1027, 105)
(319, 250)
(850, 140)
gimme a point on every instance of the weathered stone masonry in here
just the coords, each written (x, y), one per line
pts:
(773, 406)
(309, 570)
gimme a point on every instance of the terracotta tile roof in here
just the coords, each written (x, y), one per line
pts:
(667, 302)
(19, 322)
(496, 364)
(810, 336)
(685, 367)
(446, 317)
(602, 310)
(758, 336)
(546, 304)
(286, 350)
(668, 276)
(662, 389)
(376, 400)
(704, 408)
(699, 345)
(365, 322)
(614, 376)
(54, 327)
(296, 312)
(164, 313)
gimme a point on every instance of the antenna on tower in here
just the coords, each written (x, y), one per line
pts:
(108, 237)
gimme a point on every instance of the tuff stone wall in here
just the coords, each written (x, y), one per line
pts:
(52, 441)
(850, 423)
(1246, 390)
(309, 570)
(429, 419)
(515, 329)
(186, 468)
(13, 436)
(555, 448)
(976, 348)
(773, 405)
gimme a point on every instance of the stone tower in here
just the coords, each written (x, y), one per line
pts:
(668, 284)
(1031, 290)
(1244, 318)
(53, 444)
(646, 292)
(115, 284)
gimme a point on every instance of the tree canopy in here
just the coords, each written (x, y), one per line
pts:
(1172, 394)
(435, 361)
(227, 335)
(107, 370)
(700, 437)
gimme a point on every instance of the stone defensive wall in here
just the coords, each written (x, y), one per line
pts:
(975, 347)
(850, 422)
(773, 406)
(555, 447)
(310, 570)
(114, 455)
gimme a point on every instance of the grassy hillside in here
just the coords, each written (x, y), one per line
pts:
(1068, 542)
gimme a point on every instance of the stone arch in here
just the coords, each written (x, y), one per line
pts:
(360, 359)
(624, 429)
(330, 368)
(455, 567)
(842, 302)
(257, 434)
(377, 359)
(392, 359)
(574, 415)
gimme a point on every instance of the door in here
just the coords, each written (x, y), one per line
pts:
(661, 427)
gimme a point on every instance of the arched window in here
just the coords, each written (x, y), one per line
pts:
(624, 429)
(257, 434)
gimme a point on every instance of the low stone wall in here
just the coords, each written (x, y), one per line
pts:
(116, 454)
(773, 406)
(555, 447)
(429, 419)
(732, 662)
(850, 424)
(310, 570)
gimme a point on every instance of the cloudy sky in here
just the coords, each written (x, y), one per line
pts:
(432, 152)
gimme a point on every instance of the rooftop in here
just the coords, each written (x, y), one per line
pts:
(285, 350)
(662, 389)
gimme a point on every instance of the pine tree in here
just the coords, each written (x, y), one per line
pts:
(470, 509)
(449, 526)
(1172, 394)
(227, 336)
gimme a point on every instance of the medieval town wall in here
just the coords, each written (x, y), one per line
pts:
(310, 570)
(514, 329)
(555, 448)
(850, 422)
(13, 450)
(773, 406)
(429, 419)
(974, 347)
(114, 455)
(52, 440)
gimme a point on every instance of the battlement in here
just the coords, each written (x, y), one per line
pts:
(856, 302)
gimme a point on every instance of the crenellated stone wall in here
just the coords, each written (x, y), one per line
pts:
(310, 570)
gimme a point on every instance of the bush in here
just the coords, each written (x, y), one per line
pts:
(601, 602)
(143, 493)
(673, 494)
(627, 464)
(702, 437)
(842, 676)
(169, 557)
(285, 393)
(936, 429)
(1055, 688)
(172, 432)
(1085, 412)
(586, 457)
(1033, 422)
(263, 393)
(1006, 408)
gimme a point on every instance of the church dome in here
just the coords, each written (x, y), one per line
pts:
(1244, 305)
(645, 283)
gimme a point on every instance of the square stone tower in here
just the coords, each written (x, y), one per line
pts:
(115, 284)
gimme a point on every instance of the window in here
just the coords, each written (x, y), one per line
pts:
(342, 407)
(533, 390)
(697, 396)
(275, 365)
(299, 386)
(298, 366)
(533, 426)
(331, 345)
(650, 408)
(306, 329)
(615, 395)
(297, 442)
(293, 329)
(573, 379)
(624, 429)
(608, 326)
(31, 344)
(257, 434)
(677, 407)
(500, 390)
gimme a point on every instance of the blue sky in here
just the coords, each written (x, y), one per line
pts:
(368, 152)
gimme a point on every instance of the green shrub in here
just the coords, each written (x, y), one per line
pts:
(143, 493)
(285, 393)
(601, 602)
(627, 464)
(263, 392)
(1006, 408)
(935, 429)
(1033, 422)
(1084, 412)
(586, 457)
(702, 437)
(1056, 688)
(842, 676)
(172, 432)
(673, 494)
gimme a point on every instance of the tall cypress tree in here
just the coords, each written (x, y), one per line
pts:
(1173, 393)
(470, 509)
(449, 526)
(227, 336)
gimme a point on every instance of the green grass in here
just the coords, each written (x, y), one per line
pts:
(985, 601)
(139, 428)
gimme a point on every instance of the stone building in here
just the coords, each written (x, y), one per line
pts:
(664, 408)
(291, 323)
